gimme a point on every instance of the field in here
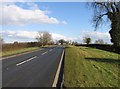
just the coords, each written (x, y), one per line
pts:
(89, 67)
(22, 50)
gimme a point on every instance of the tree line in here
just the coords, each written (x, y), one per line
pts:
(44, 38)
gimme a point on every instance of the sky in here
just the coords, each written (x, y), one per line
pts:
(20, 21)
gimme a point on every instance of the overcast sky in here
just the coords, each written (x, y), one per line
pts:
(20, 21)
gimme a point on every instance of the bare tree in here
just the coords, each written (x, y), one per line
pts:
(1, 42)
(112, 11)
(44, 37)
(87, 40)
(74, 43)
(99, 41)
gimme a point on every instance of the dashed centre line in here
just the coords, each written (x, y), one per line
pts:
(44, 53)
(26, 61)
(51, 49)
(31, 58)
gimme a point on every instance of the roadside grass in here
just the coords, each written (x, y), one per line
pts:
(13, 52)
(90, 67)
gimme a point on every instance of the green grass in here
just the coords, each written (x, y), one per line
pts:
(9, 53)
(89, 67)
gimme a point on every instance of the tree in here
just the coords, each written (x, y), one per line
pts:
(16, 42)
(75, 43)
(1, 41)
(44, 37)
(87, 40)
(61, 41)
(99, 41)
(112, 11)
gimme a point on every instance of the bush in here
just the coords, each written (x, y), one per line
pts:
(105, 47)
(17, 46)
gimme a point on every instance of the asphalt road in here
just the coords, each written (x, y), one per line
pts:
(35, 69)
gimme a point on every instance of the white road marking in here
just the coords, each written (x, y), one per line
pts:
(58, 71)
(26, 61)
(44, 53)
(51, 49)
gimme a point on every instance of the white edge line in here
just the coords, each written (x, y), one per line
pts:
(58, 71)
(26, 61)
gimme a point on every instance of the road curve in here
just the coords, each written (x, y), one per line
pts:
(35, 69)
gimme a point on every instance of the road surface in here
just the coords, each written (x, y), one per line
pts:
(35, 69)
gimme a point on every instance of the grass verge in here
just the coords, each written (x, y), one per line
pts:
(89, 67)
(14, 52)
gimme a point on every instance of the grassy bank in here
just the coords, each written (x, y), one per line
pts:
(89, 67)
(22, 50)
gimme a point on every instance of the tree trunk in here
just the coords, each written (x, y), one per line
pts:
(115, 28)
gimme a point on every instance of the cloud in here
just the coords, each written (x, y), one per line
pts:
(96, 35)
(31, 35)
(32, 5)
(64, 22)
(59, 36)
(24, 34)
(15, 15)
(19, 34)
